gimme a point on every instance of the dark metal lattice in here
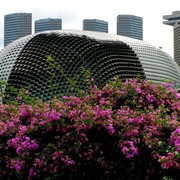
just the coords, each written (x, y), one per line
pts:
(103, 59)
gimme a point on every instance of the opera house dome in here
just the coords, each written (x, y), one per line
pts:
(23, 63)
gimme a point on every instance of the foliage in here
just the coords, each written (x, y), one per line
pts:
(83, 76)
(126, 130)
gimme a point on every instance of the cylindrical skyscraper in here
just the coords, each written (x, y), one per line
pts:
(174, 20)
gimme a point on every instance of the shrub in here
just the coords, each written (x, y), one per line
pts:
(126, 130)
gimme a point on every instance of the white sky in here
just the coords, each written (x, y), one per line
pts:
(73, 12)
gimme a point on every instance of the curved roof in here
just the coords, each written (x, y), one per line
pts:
(104, 55)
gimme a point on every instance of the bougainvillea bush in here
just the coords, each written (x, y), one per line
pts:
(126, 130)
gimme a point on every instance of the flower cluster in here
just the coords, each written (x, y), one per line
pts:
(125, 130)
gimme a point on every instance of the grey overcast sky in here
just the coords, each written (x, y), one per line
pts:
(73, 12)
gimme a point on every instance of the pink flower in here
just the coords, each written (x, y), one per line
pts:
(111, 129)
(72, 113)
(138, 90)
(70, 162)
(32, 172)
(17, 167)
(125, 150)
(128, 149)
(18, 150)
(17, 164)
(34, 145)
(27, 92)
(149, 98)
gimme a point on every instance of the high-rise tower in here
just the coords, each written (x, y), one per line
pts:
(95, 25)
(48, 24)
(130, 26)
(17, 25)
(174, 20)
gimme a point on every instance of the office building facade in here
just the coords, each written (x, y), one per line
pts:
(48, 24)
(174, 20)
(17, 25)
(95, 25)
(130, 26)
